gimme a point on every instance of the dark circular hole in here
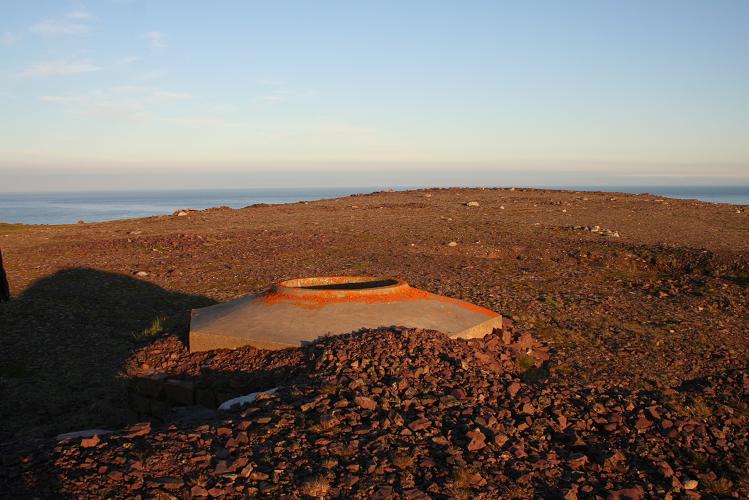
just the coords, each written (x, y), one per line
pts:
(352, 285)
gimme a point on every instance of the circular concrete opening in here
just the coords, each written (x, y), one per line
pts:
(363, 284)
(298, 311)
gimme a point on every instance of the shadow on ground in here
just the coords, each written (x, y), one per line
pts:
(63, 343)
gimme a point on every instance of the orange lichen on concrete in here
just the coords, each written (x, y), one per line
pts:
(301, 310)
(322, 298)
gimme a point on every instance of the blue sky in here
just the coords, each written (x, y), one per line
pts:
(122, 93)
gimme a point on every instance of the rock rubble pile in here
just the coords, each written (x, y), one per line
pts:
(403, 413)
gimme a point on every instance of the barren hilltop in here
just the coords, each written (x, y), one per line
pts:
(619, 372)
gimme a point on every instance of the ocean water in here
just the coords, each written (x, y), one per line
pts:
(70, 207)
(737, 195)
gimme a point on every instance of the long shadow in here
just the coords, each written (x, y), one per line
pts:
(63, 344)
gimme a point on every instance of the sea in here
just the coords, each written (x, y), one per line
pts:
(96, 206)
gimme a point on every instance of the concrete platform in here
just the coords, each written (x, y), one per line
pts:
(294, 312)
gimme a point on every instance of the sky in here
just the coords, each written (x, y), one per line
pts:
(175, 93)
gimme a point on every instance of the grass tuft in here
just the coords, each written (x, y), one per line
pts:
(403, 461)
(158, 326)
(720, 487)
(316, 487)
(525, 362)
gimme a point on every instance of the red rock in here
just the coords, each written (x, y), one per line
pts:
(170, 483)
(246, 471)
(198, 491)
(419, 424)
(500, 439)
(514, 388)
(258, 476)
(221, 467)
(140, 429)
(477, 440)
(365, 402)
(90, 442)
(577, 460)
(116, 475)
(635, 493)
(665, 469)
(440, 440)
(643, 423)
(613, 460)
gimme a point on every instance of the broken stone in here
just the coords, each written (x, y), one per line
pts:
(365, 402)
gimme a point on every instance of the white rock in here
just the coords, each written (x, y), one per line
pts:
(141, 273)
(472, 204)
(244, 400)
(183, 212)
(452, 244)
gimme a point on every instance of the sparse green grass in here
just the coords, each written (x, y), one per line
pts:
(553, 301)
(403, 461)
(720, 487)
(461, 487)
(525, 362)
(157, 327)
(359, 268)
(329, 390)
(329, 463)
(743, 484)
(700, 409)
(564, 370)
(12, 228)
(202, 480)
(517, 492)
(699, 460)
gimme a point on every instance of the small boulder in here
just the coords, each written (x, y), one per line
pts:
(365, 402)
(477, 440)
(690, 484)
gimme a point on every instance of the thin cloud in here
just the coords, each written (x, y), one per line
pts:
(75, 22)
(7, 39)
(156, 39)
(164, 95)
(280, 96)
(270, 99)
(58, 67)
(125, 61)
(80, 14)
(152, 75)
(130, 102)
